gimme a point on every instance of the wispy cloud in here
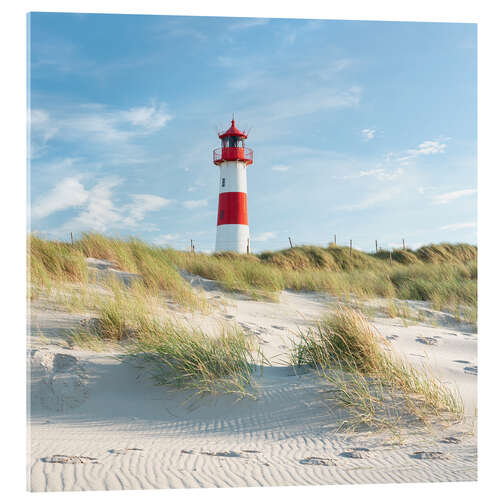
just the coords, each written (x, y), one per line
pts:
(371, 200)
(190, 204)
(280, 168)
(264, 236)
(246, 24)
(368, 134)
(97, 210)
(381, 174)
(69, 193)
(423, 149)
(89, 124)
(444, 198)
(165, 239)
(460, 225)
(141, 205)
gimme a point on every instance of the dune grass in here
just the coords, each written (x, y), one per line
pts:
(130, 320)
(378, 388)
(445, 274)
(188, 358)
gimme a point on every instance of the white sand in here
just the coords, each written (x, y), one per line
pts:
(146, 436)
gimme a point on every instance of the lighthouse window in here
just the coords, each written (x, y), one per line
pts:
(233, 142)
(221, 214)
(223, 181)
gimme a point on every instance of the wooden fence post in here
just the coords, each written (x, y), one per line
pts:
(335, 239)
(404, 246)
(376, 246)
(71, 238)
(350, 247)
(290, 240)
(248, 246)
(390, 257)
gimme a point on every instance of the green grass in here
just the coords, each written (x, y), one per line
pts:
(445, 274)
(188, 358)
(378, 388)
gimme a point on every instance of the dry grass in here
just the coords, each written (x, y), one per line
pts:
(188, 358)
(445, 275)
(378, 388)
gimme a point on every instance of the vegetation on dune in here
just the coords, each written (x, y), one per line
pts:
(52, 261)
(371, 383)
(188, 358)
(444, 274)
(377, 387)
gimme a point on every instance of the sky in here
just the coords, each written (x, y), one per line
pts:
(364, 130)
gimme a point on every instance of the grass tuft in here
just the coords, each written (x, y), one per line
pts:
(188, 358)
(377, 387)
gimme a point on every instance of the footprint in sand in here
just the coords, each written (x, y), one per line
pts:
(279, 327)
(463, 361)
(471, 369)
(429, 455)
(317, 461)
(70, 459)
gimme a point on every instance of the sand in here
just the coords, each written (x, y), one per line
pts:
(116, 429)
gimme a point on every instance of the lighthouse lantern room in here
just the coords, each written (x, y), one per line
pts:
(233, 158)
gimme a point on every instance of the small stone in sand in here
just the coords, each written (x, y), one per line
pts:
(353, 454)
(317, 461)
(70, 459)
(427, 340)
(227, 454)
(451, 439)
(429, 455)
(123, 451)
(471, 369)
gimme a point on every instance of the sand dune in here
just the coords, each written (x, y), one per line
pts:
(117, 430)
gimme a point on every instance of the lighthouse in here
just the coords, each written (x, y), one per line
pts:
(233, 158)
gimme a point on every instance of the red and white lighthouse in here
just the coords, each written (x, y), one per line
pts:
(233, 158)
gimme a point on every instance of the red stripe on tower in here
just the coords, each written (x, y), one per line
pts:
(232, 209)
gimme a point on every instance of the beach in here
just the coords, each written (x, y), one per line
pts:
(98, 421)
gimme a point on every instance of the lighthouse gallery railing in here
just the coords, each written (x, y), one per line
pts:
(233, 154)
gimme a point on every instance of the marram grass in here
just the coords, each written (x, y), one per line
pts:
(375, 386)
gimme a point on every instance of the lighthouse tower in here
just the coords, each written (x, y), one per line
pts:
(233, 158)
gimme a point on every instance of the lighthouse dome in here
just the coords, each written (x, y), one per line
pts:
(232, 131)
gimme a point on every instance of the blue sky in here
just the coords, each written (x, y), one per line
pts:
(366, 130)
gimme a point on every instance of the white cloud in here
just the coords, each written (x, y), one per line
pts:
(280, 168)
(442, 199)
(143, 203)
(166, 238)
(380, 174)
(250, 23)
(460, 225)
(195, 203)
(95, 124)
(423, 149)
(369, 201)
(264, 236)
(151, 118)
(428, 148)
(98, 211)
(368, 134)
(67, 194)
